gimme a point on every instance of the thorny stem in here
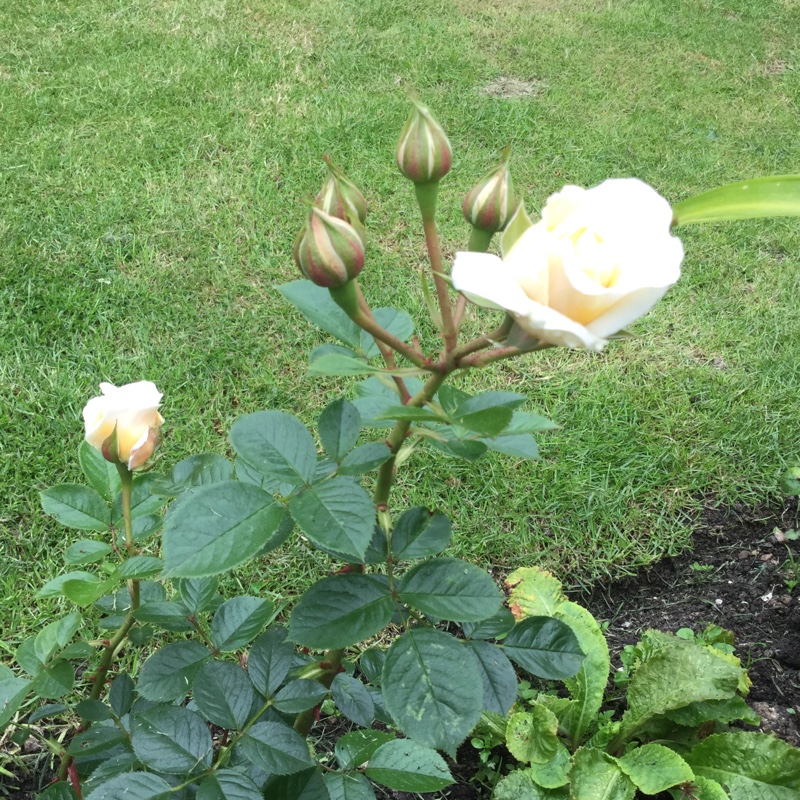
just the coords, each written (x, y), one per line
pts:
(482, 359)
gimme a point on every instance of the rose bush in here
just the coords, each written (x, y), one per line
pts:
(598, 260)
(133, 411)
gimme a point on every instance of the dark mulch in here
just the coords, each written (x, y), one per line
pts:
(735, 576)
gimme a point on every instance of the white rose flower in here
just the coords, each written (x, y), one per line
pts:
(598, 260)
(131, 409)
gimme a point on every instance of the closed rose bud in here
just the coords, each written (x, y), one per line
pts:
(340, 197)
(491, 202)
(124, 423)
(423, 151)
(330, 251)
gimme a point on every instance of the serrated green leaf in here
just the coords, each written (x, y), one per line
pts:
(299, 695)
(339, 427)
(132, 786)
(337, 516)
(171, 739)
(13, 692)
(494, 627)
(145, 526)
(411, 413)
(87, 551)
(316, 305)
(655, 768)
(371, 664)
(420, 694)
(531, 736)
(594, 775)
(140, 567)
(365, 458)
(168, 674)
(201, 470)
(54, 681)
(277, 444)
(452, 589)
(228, 784)
(353, 699)
(53, 587)
(85, 592)
(341, 610)
(198, 594)
(528, 422)
(93, 710)
(348, 787)
(773, 196)
(518, 445)
(420, 533)
(223, 694)
(355, 748)
(98, 739)
(498, 677)
(46, 711)
(121, 693)
(406, 766)
(214, 528)
(166, 614)
(238, 621)
(77, 506)
(270, 660)
(748, 765)
(487, 413)
(307, 784)
(275, 748)
(335, 364)
(545, 647)
(58, 791)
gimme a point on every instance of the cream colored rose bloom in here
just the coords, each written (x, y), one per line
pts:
(133, 410)
(597, 261)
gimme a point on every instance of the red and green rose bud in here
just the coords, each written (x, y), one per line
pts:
(491, 202)
(329, 251)
(423, 152)
(340, 197)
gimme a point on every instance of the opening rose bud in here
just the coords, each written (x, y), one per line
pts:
(423, 152)
(597, 261)
(491, 202)
(128, 415)
(329, 251)
(340, 197)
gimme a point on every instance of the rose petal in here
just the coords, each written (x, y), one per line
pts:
(486, 280)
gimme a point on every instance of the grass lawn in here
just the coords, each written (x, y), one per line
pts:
(154, 158)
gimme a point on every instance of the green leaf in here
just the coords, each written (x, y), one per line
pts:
(521, 785)
(198, 594)
(398, 323)
(595, 774)
(518, 445)
(705, 789)
(411, 413)
(348, 787)
(168, 615)
(517, 225)
(13, 692)
(337, 516)
(228, 784)
(527, 422)
(365, 458)
(120, 696)
(58, 791)
(494, 627)
(545, 647)
(93, 710)
(274, 747)
(202, 470)
(371, 664)
(488, 413)
(238, 621)
(167, 675)
(98, 739)
(497, 676)
(132, 786)
(420, 693)
(790, 482)
(676, 673)
(77, 506)
(270, 660)
(339, 427)
(420, 533)
(749, 766)
(326, 363)
(214, 528)
(139, 567)
(553, 773)
(171, 739)
(470, 450)
(448, 588)
(355, 748)
(86, 592)
(304, 785)
(341, 610)
(87, 551)
(773, 196)
(531, 736)
(299, 695)
(277, 444)
(143, 501)
(145, 526)
(53, 588)
(353, 699)
(316, 305)
(729, 710)
(406, 766)
(223, 694)
(654, 768)
(101, 474)
(54, 681)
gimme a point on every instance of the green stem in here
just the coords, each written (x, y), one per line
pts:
(479, 240)
(426, 198)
